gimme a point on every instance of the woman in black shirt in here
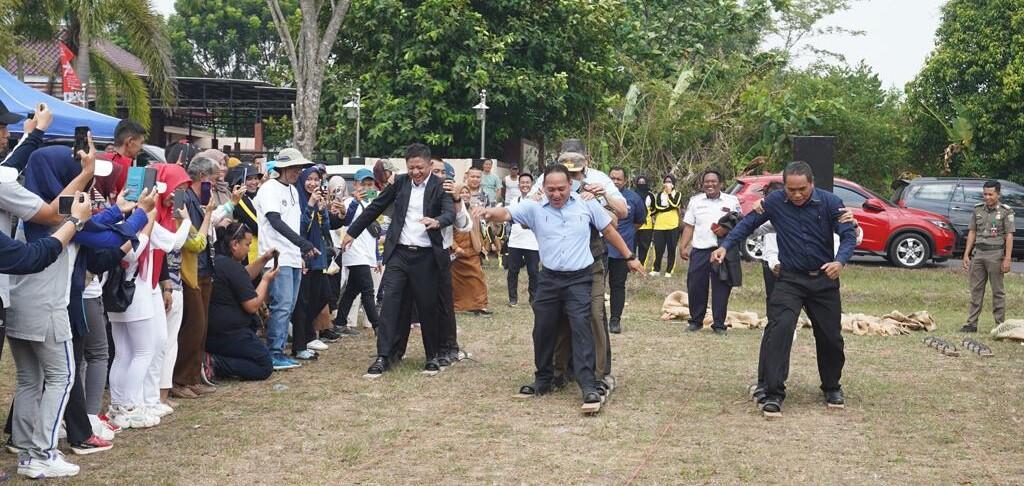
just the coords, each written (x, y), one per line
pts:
(231, 342)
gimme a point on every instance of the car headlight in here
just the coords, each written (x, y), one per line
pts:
(941, 224)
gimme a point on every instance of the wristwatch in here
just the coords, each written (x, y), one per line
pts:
(631, 257)
(79, 224)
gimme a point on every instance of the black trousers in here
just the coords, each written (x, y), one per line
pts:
(699, 278)
(665, 242)
(334, 286)
(517, 259)
(643, 244)
(819, 296)
(360, 283)
(618, 270)
(563, 293)
(769, 285)
(446, 313)
(411, 276)
(313, 296)
(240, 354)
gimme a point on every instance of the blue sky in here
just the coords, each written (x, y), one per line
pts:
(899, 34)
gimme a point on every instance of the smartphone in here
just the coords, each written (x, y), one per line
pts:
(179, 199)
(64, 205)
(81, 141)
(205, 193)
(371, 194)
(276, 255)
(139, 179)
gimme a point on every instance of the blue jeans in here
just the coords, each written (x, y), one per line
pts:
(283, 292)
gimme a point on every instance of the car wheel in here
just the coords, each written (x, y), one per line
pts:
(910, 250)
(753, 248)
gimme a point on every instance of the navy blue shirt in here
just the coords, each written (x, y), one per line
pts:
(197, 213)
(804, 233)
(627, 226)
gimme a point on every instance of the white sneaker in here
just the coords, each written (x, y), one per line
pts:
(132, 417)
(655, 274)
(668, 275)
(316, 345)
(55, 467)
(159, 410)
(100, 429)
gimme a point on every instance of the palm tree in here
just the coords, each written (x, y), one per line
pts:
(84, 24)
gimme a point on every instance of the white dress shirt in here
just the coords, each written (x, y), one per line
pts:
(701, 212)
(414, 233)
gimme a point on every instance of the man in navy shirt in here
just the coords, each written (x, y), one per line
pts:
(618, 269)
(804, 219)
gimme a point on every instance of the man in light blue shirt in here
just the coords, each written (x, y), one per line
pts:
(562, 225)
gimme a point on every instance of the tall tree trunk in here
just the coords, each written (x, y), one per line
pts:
(82, 59)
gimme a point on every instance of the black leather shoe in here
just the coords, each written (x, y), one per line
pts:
(379, 366)
(721, 331)
(693, 328)
(835, 399)
(443, 361)
(614, 327)
(969, 328)
(432, 366)
(592, 397)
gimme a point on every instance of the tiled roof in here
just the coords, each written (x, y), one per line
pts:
(43, 59)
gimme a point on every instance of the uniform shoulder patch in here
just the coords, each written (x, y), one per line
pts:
(979, 205)
(1004, 206)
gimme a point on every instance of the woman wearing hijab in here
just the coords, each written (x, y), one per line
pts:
(140, 331)
(645, 233)
(46, 313)
(315, 224)
(468, 286)
(665, 214)
(248, 176)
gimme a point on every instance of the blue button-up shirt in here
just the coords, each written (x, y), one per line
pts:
(627, 226)
(803, 233)
(563, 234)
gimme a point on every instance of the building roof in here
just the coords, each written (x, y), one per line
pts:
(42, 59)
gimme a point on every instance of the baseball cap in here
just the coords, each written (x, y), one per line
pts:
(8, 118)
(363, 174)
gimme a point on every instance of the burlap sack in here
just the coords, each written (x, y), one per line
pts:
(1011, 329)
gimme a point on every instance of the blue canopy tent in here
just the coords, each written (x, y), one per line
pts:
(22, 99)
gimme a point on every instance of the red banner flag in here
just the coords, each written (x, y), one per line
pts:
(69, 79)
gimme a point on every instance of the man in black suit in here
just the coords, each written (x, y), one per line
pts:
(414, 256)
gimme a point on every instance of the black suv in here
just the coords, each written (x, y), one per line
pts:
(954, 198)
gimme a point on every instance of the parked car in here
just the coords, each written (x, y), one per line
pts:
(908, 237)
(955, 198)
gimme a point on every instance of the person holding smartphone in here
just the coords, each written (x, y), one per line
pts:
(361, 259)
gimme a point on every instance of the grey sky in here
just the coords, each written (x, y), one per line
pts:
(899, 34)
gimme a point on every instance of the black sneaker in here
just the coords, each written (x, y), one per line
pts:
(513, 302)
(614, 327)
(443, 361)
(432, 367)
(329, 336)
(969, 328)
(346, 331)
(379, 366)
(835, 399)
(694, 327)
(482, 313)
(721, 331)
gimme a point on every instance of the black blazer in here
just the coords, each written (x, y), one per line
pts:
(436, 204)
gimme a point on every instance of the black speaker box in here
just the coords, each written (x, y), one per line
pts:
(820, 153)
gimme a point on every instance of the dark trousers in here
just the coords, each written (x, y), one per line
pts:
(360, 283)
(334, 288)
(411, 276)
(618, 270)
(819, 296)
(192, 335)
(698, 279)
(665, 242)
(449, 342)
(240, 354)
(643, 244)
(517, 259)
(313, 296)
(769, 285)
(76, 418)
(568, 294)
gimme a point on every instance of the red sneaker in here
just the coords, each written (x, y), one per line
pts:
(91, 445)
(106, 423)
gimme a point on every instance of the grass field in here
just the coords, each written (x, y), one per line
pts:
(680, 415)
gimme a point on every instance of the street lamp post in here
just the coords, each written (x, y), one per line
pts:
(481, 114)
(353, 109)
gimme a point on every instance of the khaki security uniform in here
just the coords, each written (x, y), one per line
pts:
(990, 227)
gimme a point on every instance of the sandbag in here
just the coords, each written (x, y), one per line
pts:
(1011, 329)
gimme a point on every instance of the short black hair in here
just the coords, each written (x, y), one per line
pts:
(526, 174)
(473, 167)
(417, 150)
(798, 167)
(712, 171)
(625, 175)
(559, 169)
(772, 187)
(127, 129)
(234, 231)
(994, 184)
(669, 177)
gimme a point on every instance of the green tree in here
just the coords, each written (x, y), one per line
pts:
(966, 105)
(420, 65)
(229, 39)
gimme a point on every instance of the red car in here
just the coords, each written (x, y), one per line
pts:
(907, 237)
